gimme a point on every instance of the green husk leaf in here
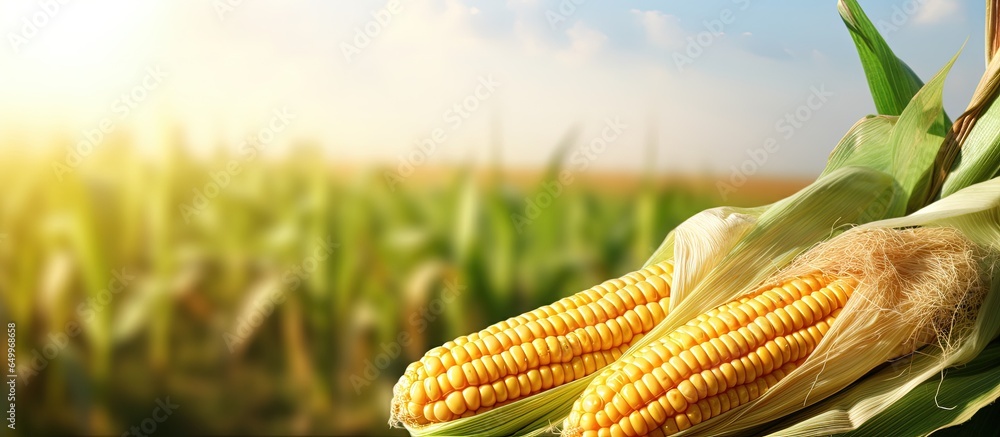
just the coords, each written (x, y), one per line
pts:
(983, 421)
(905, 147)
(866, 144)
(974, 134)
(917, 138)
(967, 388)
(977, 134)
(891, 81)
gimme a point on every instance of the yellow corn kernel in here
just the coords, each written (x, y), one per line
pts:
(718, 361)
(534, 352)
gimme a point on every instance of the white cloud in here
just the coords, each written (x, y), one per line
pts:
(585, 42)
(935, 11)
(227, 76)
(662, 30)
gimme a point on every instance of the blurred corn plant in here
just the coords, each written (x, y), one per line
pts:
(272, 299)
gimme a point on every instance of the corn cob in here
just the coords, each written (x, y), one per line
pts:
(536, 351)
(722, 359)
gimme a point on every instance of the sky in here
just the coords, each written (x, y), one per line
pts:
(679, 87)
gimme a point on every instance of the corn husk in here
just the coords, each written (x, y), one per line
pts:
(911, 393)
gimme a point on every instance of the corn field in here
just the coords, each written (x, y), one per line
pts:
(286, 297)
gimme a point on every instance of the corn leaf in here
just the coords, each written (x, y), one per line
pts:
(891, 81)
(866, 144)
(978, 136)
(917, 138)
(983, 422)
(979, 160)
(905, 147)
(960, 392)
